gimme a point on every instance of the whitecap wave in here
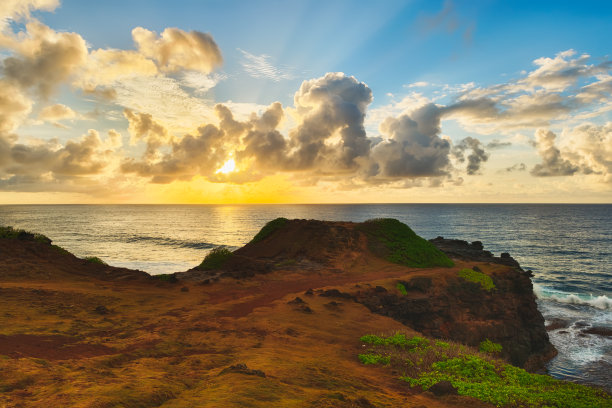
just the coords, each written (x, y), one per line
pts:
(600, 302)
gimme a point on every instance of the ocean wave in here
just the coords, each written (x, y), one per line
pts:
(600, 302)
(177, 243)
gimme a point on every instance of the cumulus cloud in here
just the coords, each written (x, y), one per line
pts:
(176, 49)
(142, 126)
(14, 106)
(19, 9)
(412, 146)
(516, 167)
(553, 164)
(43, 59)
(477, 156)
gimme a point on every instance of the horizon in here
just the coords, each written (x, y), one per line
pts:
(305, 103)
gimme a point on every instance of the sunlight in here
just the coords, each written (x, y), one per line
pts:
(227, 167)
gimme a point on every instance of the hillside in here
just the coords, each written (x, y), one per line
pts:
(277, 323)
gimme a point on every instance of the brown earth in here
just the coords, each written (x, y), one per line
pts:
(77, 334)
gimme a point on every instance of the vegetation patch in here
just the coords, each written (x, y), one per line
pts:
(397, 243)
(166, 277)
(95, 260)
(483, 280)
(269, 228)
(216, 258)
(400, 286)
(23, 235)
(487, 346)
(424, 363)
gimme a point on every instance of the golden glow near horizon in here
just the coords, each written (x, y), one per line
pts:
(228, 167)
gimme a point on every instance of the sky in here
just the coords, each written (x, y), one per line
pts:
(222, 102)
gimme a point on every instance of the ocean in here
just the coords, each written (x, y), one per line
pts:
(568, 248)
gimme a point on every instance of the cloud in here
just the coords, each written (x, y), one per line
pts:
(590, 147)
(516, 167)
(412, 146)
(259, 66)
(43, 58)
(20, 9)
(201, 83)
(176, 49)
(143, 127)
(477, 156)
(54, 113)
(15, 106)
(553, 164)
(497, 144)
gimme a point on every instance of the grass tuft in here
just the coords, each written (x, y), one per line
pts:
(471, 275)
(400, 286)
(95, 260)
(269, 229)
(216, 258)
(396, 242)
(23, 235)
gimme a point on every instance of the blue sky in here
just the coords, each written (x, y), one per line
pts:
(383, 101)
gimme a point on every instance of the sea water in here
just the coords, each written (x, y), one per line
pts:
(568, 247)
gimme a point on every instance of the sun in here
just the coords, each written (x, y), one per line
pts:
(227, 167)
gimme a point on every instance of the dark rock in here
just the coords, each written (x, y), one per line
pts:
(101, 310)
(184, 289)
(443, 388)
(296, 301)
(336, 293)
(304, 309)
(362, 402)
(477, 245)
(557, 324)
(599, 331)
(333, 305)
(309, 292)
(421, 284)
(380, 289)
(242, 368)
(476, 268)
(504, 255)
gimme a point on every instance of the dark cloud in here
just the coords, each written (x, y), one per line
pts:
(477, 156)
(553, 164)
(413, 147)
(516, 167)
(496, 144)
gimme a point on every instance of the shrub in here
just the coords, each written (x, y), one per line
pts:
(166, 277)
(474, 374)
(487, 346)
(216, 258)
(400, 286)
(269, 228)
(396, 242)
(471, 275)
(95, 260)
(23, 235)
(374, 359)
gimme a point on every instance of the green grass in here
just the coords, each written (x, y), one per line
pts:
(471, 275)
(396, 242)
(166, 277)
(95, 260)
(424, 363)
(268, 229)
(487, 346)
(216, 258)
(13, 233)
(400, 286)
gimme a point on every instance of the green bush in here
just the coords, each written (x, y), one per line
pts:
(23, 235)
(425, 363)
(216, 258)
(374, 359)
(396, 242)
(269, 228)
(471, 275)
(400, 286)
(95, 260)
(487, 346)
